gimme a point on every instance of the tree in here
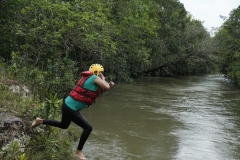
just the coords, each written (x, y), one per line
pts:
(229, 46)
(8, 17)
(56, 40)
(60, 39)
(182, 44)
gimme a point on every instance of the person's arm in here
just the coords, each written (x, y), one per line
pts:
(102, 83)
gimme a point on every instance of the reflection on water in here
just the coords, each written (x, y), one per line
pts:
(183, 118)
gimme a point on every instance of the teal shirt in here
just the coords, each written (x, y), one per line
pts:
(77, 105)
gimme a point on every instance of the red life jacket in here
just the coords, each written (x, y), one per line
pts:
(82, 94)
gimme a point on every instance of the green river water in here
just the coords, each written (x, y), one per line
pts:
(180, 118)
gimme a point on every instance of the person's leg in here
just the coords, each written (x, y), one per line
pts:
(81, 121)
(87, 129)
(64, 123)
(69, 115)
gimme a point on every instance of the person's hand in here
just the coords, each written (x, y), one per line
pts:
(101, 76)
(111, 83)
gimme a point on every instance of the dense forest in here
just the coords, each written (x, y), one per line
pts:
(49, 42)
(46, 44)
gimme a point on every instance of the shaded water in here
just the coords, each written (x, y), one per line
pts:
(183, 118)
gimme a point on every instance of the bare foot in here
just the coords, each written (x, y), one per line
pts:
(36, 123)
(80, 155)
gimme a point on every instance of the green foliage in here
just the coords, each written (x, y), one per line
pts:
(23, 157)
(137, 24)
(56, 77)
(56, 40)
(49, 108)
(8, 11)
(14, 102)
(229, 47)
(46, 142)
(52, 145)
(12, 151)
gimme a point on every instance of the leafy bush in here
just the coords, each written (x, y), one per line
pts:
(13, 151)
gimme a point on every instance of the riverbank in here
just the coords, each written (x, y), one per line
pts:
(17, 139)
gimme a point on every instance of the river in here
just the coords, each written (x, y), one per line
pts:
(180, 118)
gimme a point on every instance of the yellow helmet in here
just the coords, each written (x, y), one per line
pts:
(96, 69)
